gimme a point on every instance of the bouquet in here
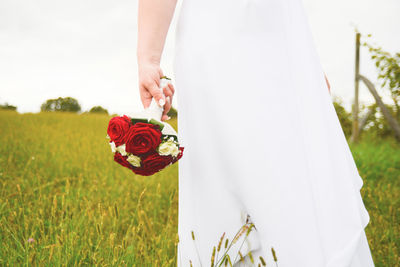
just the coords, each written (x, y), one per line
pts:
(144, 143)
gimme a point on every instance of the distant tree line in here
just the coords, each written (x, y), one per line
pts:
(67, 104)
(70, 104)
(98, 109)
(375, 123)
(6, 106)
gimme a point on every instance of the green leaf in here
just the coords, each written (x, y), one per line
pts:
(156, 122)
(135, 120)
(165, 77)
(167, 136)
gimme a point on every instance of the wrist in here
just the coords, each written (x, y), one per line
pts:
(146, 59)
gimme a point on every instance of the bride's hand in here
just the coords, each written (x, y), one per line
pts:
(149, 81)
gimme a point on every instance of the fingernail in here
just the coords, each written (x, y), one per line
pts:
(161, 102)
(168, 118)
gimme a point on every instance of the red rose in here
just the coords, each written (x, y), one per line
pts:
(152, 164)
(142, 138)
(122, 160)
(117, 129)
(179, 155)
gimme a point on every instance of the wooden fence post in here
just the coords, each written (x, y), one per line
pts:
(355, 129)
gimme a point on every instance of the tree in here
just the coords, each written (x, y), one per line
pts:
(382, 118)
(98, 109)
(8, 107)
(61, 104)
(388, 66)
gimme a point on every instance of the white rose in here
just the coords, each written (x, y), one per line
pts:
(113, 148)
(134, 160)
(168, 148)
(121, 150)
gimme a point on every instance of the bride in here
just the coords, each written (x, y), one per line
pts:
(263, 143)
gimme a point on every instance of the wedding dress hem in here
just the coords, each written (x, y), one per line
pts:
(343, 258)
(346, 255)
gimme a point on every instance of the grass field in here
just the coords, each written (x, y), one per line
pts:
(64, 202)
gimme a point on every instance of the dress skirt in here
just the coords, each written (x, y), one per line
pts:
(262, 140)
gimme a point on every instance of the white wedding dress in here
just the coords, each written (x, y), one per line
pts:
(262, 138)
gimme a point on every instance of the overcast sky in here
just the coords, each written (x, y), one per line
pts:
(87, 48)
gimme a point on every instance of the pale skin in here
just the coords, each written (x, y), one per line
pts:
(154, 19)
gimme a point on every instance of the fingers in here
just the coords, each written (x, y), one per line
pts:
(150, 89)
(169, 91)
(167, 107)
(171, 87)
(157, 94)
(165, 117)
(145, 97)
(149, 81)
(160, 95)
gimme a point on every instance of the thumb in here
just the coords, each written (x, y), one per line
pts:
(158, 95)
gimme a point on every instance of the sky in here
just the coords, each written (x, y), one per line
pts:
(86, 49)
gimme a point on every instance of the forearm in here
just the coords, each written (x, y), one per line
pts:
(154, 19)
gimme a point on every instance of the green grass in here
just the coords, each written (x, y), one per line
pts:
(60, 186)
(379, 166)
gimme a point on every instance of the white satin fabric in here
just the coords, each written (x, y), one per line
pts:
(261, 137)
